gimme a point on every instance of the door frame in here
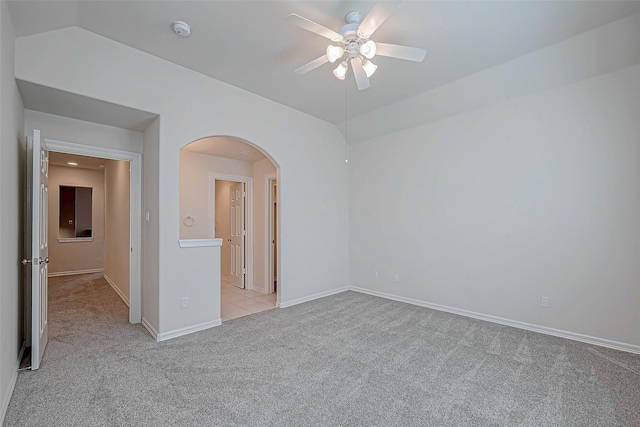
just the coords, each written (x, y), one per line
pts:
(248, 181)
(271, 236)
(135, 209)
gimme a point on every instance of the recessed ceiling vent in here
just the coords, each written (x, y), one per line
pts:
(182, 28)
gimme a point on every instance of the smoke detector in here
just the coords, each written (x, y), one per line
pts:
(182, 28)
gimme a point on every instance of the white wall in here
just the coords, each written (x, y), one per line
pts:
(12, 160)
(313, 197)
(80, 256)
(78, 131)
(117, 226)
(489, 210)
(150, 228)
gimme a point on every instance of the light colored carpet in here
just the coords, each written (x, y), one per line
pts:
(345, 360)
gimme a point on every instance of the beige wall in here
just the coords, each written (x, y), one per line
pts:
(195, 194)
(223, 224)
(195, 169)
(72, 257)
(261, 169)
(117, 226)
(86, 133)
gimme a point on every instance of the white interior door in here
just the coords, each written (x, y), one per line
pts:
(38, 215)
(238, 233)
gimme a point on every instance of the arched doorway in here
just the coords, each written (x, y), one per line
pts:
(226, 187)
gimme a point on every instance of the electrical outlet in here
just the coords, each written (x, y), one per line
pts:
(396, 277)
(544, 302)
(375, 275)
(185, 302)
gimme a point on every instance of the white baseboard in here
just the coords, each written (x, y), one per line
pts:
(74, 272)
(286, 304)
(150, 328)
(602, 342)
(188, 330)
(6, 399)
(118, 291)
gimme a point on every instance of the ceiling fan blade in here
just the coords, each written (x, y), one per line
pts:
(401, 52)
(380, 11)
(314, 27)
(362, 81)
(312, 65)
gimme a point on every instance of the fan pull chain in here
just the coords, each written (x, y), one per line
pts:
(346, 126)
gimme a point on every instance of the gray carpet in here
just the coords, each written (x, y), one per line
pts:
(345, 360)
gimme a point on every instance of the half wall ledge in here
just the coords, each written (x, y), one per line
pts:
(199, 243)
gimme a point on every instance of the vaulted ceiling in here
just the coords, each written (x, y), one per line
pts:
(248, 44)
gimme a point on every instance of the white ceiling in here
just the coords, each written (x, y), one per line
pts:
(53, 101)
(83, 162)
(249, 45)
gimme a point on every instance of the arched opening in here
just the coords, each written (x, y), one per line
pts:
(228, 191)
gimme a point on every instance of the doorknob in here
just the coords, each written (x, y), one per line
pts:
(45, 261)
(26, 261)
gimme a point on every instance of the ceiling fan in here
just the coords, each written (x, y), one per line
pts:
(353, 40)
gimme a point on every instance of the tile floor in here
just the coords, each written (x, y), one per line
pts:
(237, 302)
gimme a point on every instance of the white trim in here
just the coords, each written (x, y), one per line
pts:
(135, 211)
(89, 150)
(602, 342)
(74, 272)
(199, 243)
(188, 330)
(7, 398)
(74, 239)
(115, 288)
(311, 297)
(150, 328)
(248, 180)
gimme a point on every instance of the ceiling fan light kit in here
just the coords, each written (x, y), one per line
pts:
(334, 52)
(368, 49)
(341, 70)
(353, 39)
(369, 67)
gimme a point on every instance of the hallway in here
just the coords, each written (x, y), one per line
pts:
(83, 303)
(236, 302)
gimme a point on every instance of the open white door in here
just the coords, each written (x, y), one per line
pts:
(38, 190)
(237, 270)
